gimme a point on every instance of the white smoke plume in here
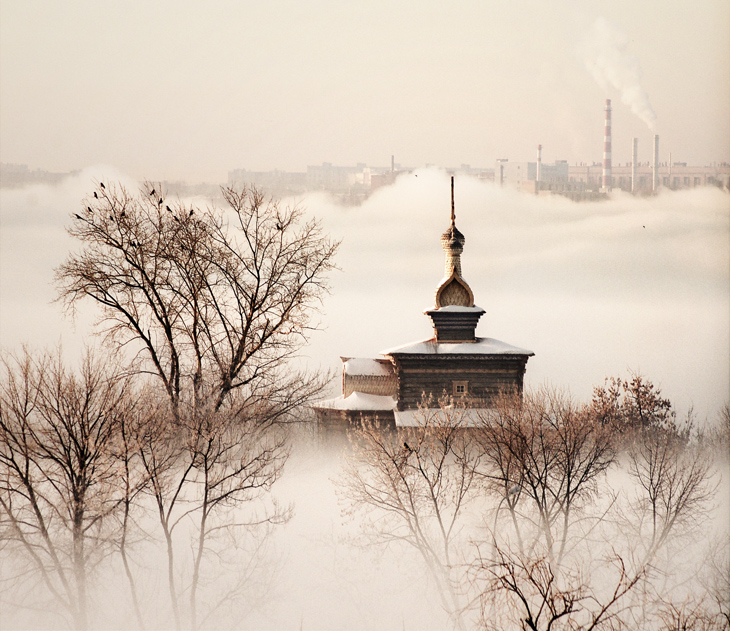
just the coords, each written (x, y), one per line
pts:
(607, 58)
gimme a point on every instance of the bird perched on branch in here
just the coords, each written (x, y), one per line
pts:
(152, 192)
(102, 184)
(78, 216)
(159, 203)
(89, 209)
(95, 195)
(168, 208)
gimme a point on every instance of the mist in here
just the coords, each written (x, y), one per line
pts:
(593, 289)
(628, 285)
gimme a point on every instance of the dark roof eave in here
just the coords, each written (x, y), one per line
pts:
(470, 356)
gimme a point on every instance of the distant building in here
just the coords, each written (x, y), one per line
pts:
(454, 361)
(673, 176)
(539, 178)
(349, 184)
(585, 182)
(19, 175)
(279, 183)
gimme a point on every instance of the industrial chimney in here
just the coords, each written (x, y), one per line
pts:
(655, 177)
(634, 156)
(538, 175)
(607, 149)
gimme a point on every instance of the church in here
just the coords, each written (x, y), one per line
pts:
(453, 362)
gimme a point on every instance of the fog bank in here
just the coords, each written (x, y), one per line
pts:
(594, 289)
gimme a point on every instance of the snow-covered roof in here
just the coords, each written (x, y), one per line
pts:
(456, 309)
(359, 401)
(367, 366)
(435, 417)
(481, 346)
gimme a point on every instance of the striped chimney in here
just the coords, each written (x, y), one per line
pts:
(634, 156)
(607, 148)
(539, 163)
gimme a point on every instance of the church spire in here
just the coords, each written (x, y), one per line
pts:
(453, 212)
(454, 317)
(453, 289)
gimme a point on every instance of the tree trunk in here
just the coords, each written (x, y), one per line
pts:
(81, 614)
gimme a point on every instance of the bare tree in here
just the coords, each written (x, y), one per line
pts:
(200, 471)
(528, 591)
(690, 615)
(543, 458)
(215, 305)
(674, 487)
(134, 480)
(567, 556)
(627, 405)
(716, 582)
(216, 301)
(59, 470)
(415, 484)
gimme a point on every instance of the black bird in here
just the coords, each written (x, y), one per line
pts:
(407, 447)
(78, 216)
(111, 217)
(175, 218)
(159, 203)
(89, 209)
(152, 192)
(191, 213)
(122, 214)
(168, 208)
(95, 195)
(102, 184)
(278, 226)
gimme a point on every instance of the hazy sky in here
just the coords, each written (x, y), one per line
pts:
(171, 90)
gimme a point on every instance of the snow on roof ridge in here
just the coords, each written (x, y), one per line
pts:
(469, 417)
(367, 366)
(457, 309)
(481, 346)
(359, 401)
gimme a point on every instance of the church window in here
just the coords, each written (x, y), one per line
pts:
(461, 387)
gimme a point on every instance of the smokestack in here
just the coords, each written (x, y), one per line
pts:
(655, 177)
(634, 156)
(539, 163)
(607, 148)
(670, 169)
